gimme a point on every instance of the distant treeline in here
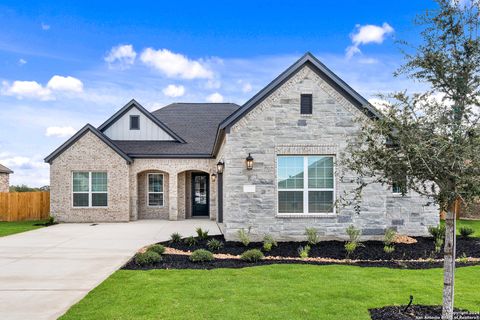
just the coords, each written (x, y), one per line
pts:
(25, 188)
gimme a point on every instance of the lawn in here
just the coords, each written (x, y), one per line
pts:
(268, 292)
(474, 224)
(8, 228)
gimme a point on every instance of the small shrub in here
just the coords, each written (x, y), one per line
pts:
(158, 248)
(190, 241)
(312, 236)
(466, 232)
(201, 255)
(353, 234)
(147, 258)
(388, 239)
(304, 251)
(437, 232)
(175, 237)
(268, 243)
(214, 244)
(252, 255)
(389, 249)
(244, 236)
(350, 247)
(202, 235)
(438, 244)
(463, 258)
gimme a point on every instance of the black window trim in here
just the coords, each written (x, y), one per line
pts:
(138, 121)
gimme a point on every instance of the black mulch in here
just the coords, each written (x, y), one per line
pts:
(372, 250)
(417, 312)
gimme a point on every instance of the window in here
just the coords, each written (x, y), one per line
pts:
(90, 189)
(306, 102)
(399, 186)
(305, 184)
(134, 122)
(155, 190)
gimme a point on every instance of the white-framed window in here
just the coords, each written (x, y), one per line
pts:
(89, 189)
(155, 189)
(306, 184)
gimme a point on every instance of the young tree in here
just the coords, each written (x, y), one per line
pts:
(430, 141)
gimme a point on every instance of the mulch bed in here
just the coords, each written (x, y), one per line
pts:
(417, 312)
(419, 255)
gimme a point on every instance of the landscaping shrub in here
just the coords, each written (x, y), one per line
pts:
(147, 258)
(437, 232)
(201, 255)
(438, 244)
(350, 247)
(463, 258)
(312, 236)
(388, 239)
(214, 244)
(175, 237)
(304, 251)
(466, 232)
(252, 255)
(354, 243)
(158, 248)
(268, 243)
(190, 241)
(244, 236)
(202, 235)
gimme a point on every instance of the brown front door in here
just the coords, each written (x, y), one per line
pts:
(200, 194)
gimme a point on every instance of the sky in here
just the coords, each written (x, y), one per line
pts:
(64, 64)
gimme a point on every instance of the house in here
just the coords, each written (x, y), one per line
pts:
(269, 165)
(4, 178)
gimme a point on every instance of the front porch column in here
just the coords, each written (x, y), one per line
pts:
(172, 199)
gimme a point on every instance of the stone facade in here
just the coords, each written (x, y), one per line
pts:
(4, 182)
(89, 153)
(276, 127)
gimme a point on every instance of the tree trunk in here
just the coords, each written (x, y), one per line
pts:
(449, 265)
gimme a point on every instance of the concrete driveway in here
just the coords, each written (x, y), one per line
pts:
(45, 271)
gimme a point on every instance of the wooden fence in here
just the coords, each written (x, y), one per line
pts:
(23, 206)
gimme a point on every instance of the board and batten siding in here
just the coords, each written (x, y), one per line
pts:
(149, 130)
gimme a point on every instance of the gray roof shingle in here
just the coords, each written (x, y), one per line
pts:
(195, 123)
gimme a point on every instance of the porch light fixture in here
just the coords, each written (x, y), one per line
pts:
(220, 166)
(249, 160)
(214, 177)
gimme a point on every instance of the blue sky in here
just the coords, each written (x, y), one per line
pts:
(64, 64)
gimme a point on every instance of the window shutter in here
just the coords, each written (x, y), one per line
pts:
(306, 104)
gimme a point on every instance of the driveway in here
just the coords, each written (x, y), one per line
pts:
(45, 271)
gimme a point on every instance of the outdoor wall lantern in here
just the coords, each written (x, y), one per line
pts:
(220, 166)
(249, 160)
(214, 177)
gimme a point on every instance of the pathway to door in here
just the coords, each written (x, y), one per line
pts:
(45, 271)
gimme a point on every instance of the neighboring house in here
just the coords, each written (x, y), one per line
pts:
(4, 178)
(269, 165)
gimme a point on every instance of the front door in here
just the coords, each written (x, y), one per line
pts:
(200, 194)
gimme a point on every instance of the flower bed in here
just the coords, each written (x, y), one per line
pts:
(418, 255)
(415, 312)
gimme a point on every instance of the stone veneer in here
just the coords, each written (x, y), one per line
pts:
(276, 127)
(89, 153)
(4, 182)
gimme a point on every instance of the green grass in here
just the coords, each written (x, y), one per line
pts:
(268, 292)
(8, 228)
(474, 224)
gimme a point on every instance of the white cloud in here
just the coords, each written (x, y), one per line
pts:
(31, 171)
(367, 34)
(215, 97)
(175, 65)
(21, 62)
(45, 26)
(213, 84)
(121, 57)
(174, 91)
(27, 89)
(247, 87)
(60, 83)
(61, 132)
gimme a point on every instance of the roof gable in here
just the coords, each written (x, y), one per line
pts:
(331, 78)
(81, 133)
(134, 104)
(4, 169)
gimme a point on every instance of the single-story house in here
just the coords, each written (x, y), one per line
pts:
(269, 165)
(4, 178)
